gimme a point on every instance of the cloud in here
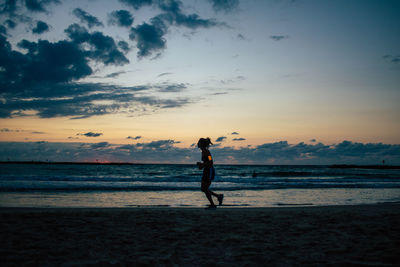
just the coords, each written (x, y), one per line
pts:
(8, 6)
(10, 24)
(121, 18)
(7, 130)
(124, 46)
(164, 74)
(284, 153)
(37, 132)
(279, 37)
(238, 139)
(158, 145)
(235, 133)
(103, 48)
(241, 36)
(40, 27)
(354, 149)
(3, 30)
(137, 4)
(233, 80)
(45, 78)
(114, 74)
(224, 5)
(34, 5)
(173, 15)
(44, 62)
(173, 103)
(220, 139)
(276, 145)
(221, 93)
(392, 59)
(99, 145)
(172, 12)
(91, 134)
(172, 88)
(62, 61)
(38, 5)
(149, 38)
(134, 138)
(83, 100)
(85, 17)
(165, 151)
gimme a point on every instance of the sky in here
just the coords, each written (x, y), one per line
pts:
(269, 81)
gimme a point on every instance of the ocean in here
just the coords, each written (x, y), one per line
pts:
(98, 185)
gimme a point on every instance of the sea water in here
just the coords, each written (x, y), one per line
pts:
(97, 185)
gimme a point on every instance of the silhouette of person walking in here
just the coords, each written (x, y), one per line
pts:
(208, 172)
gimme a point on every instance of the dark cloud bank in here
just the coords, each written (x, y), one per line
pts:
(150, 37)
(42, 78)
(165, 151)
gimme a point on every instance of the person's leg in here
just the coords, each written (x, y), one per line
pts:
(208, 194)
(220, 197)
(211, 174)
(214, 194)
(205, 184)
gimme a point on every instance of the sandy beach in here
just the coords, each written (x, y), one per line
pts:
(157, 236)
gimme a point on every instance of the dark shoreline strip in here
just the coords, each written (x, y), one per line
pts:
(379, 167)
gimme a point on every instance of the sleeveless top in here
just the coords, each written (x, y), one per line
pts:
(208, 172)
(206, 157)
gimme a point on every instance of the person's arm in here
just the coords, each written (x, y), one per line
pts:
(200, 165)
(205, 164)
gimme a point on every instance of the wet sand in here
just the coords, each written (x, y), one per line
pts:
(310, 236)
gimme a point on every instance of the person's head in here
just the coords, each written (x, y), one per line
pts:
(204, 143)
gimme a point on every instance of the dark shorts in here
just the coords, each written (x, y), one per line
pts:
(209, 173)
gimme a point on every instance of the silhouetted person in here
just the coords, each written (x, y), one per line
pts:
(254, 175)
(208, 172)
